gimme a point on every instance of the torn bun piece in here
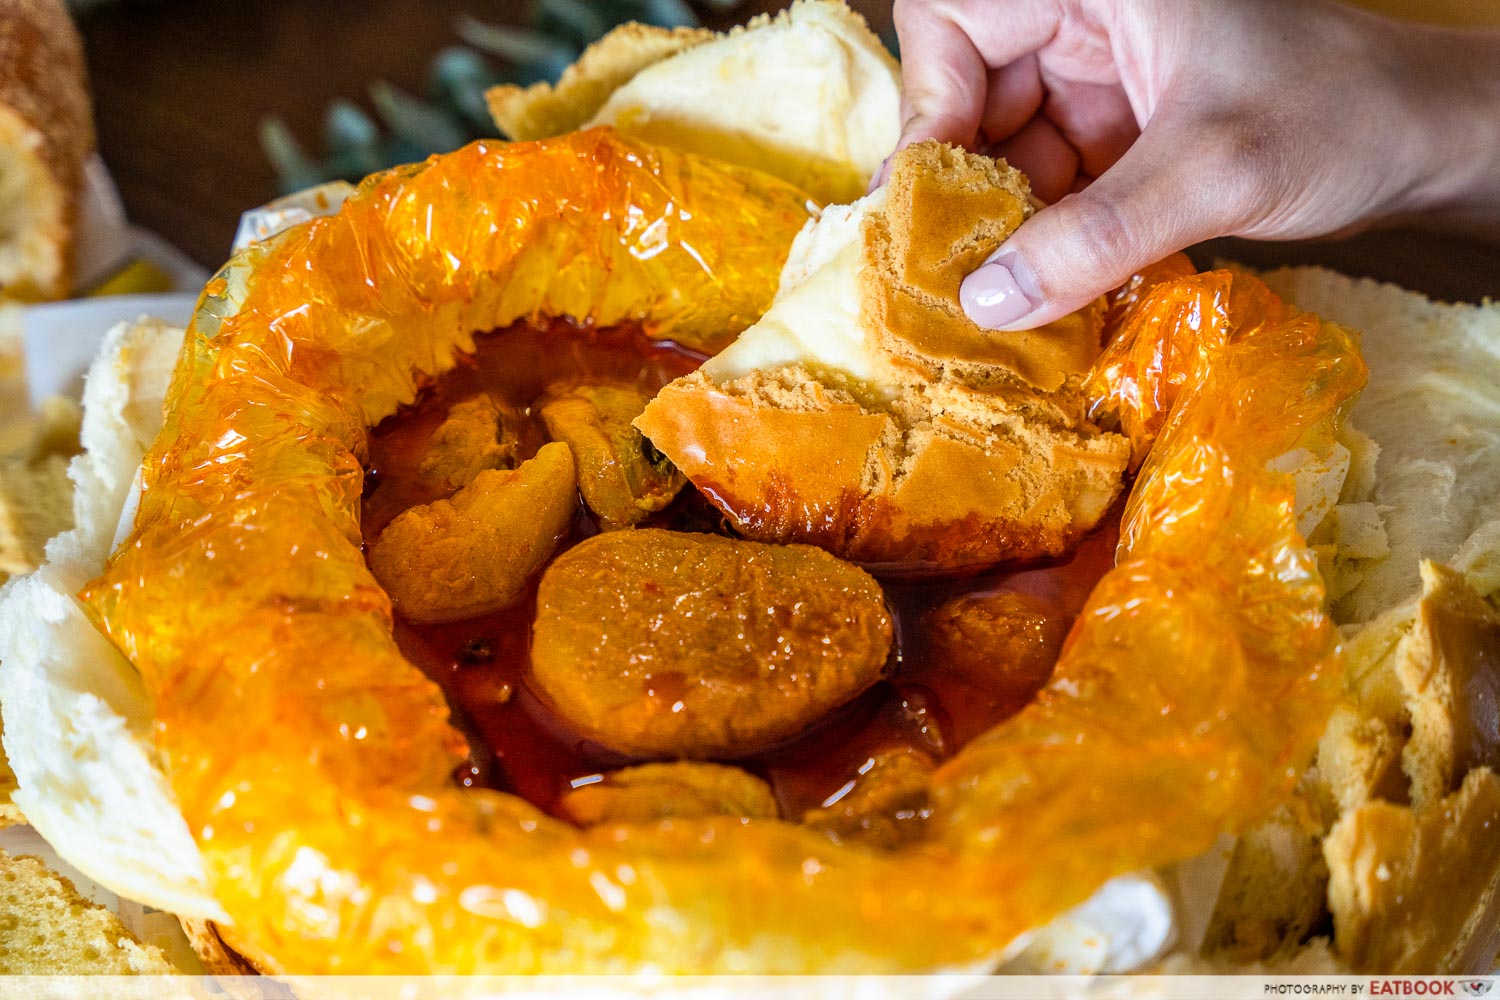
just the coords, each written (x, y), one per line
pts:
(825, 114)
(866, 414)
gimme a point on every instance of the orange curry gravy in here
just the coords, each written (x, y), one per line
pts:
(519, 746)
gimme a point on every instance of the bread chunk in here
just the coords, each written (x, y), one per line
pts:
(866, 414)
(825, 110)
(48, 929)
(665, 644)
(1413, 892)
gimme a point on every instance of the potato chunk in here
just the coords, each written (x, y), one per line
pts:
(885, 804)
(680, 789)
(621, 480)
(997, 639)
(663, 644)
(472, 554)
(478, 434)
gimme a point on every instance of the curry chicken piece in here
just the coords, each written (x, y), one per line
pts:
(622, 478)
(885, 804)
(478, 434)
(664, 644)
(679, 789)
(472, 554)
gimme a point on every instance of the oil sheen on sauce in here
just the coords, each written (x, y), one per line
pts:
(518, 745)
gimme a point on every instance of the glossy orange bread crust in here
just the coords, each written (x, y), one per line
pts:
(313, 764)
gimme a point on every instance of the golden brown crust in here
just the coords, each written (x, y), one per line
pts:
(1449, 666)
(1414, 892)
(43, 84)
(543, 110)
(945, 212)
(912, 490)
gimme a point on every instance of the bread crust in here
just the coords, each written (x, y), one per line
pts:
(945, 212)
(44, 89)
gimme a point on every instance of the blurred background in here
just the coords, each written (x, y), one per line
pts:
(205, 108)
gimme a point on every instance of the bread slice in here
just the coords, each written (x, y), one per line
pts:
(46, 133)
(866, 414)
(48, 929)
(810, 95)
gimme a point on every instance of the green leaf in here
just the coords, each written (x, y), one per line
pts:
(294, 170)
(575, 20)
(425, 127)
(520, 46)
(460, 77)
(668, 14)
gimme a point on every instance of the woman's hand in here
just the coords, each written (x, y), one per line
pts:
(1154, 124)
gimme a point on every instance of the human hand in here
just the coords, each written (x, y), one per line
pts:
(1154, 124)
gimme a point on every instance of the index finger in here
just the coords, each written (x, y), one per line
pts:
(944, 78)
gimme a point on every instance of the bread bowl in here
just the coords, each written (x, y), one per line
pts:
(717, 929)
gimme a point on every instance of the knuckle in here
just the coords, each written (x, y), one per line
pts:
(1249, 150)
(1103, 241)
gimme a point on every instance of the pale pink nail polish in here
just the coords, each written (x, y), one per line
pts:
(992, 298)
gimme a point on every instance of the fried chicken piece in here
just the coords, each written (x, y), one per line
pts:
(886, 805)
(478, 434)
(996, 640)
(623, 479)
(680, 789)
(663, 644)
(472, 554)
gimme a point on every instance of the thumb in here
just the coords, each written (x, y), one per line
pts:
(1158, 198)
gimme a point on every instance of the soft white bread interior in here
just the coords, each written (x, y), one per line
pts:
(76, 719)
(46, 133)
(1432, 413)
(810, 95)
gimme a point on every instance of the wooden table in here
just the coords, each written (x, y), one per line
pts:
(182, 85)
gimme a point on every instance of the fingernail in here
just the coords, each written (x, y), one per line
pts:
(992, 297)
(879, 177)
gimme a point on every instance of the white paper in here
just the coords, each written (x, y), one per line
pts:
(61, 338)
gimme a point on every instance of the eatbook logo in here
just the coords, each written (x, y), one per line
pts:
(1476, 987)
